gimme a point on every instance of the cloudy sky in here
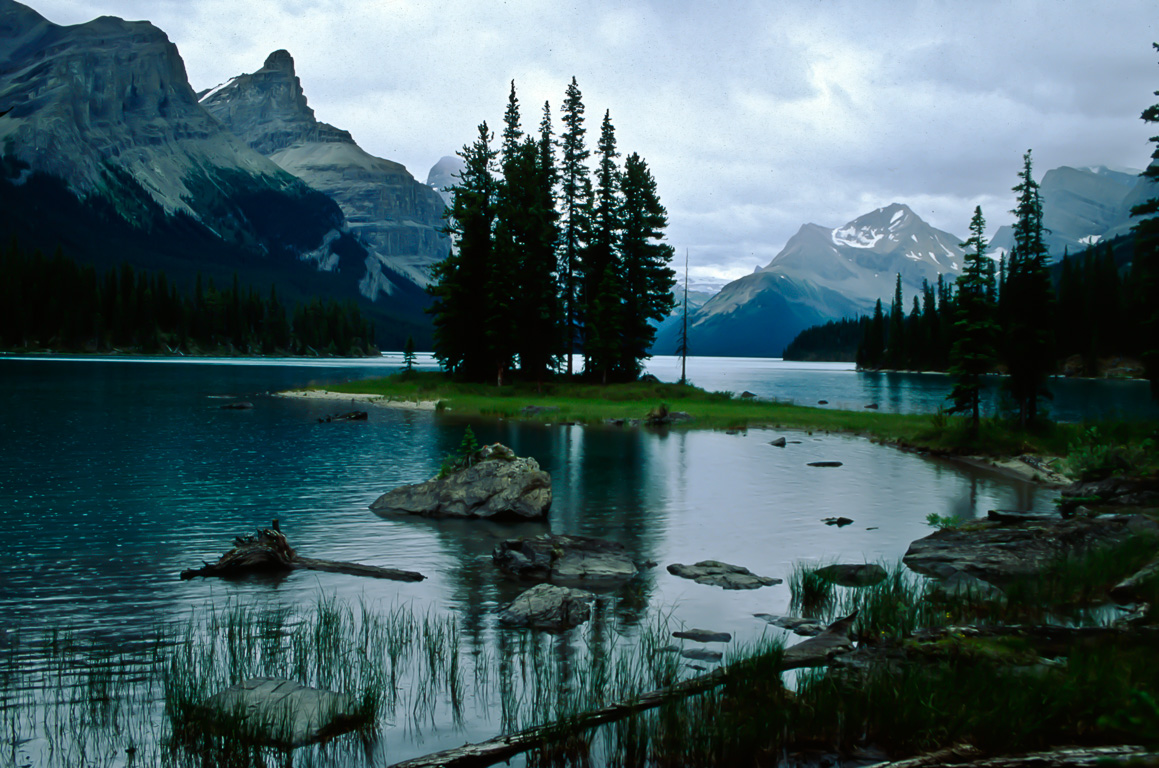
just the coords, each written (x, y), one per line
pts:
(756, 117)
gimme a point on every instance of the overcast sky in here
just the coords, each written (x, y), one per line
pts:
(755, 117)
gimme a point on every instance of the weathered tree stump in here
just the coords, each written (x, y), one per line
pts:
(269, 552)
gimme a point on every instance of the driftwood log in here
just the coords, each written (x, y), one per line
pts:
(814, 652)
(967, 756)
(269, 552)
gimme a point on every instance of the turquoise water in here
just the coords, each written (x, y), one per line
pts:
(117, 475)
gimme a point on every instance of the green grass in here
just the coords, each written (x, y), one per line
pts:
(586, 403)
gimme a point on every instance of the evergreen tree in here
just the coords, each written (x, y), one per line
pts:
(408, 354)
(575, 194)
(973, 353)
(895, 339)
(647, 279)
(603, 254)
(1029, 300)
(461, 283)
(1146, 269)
(872, 349)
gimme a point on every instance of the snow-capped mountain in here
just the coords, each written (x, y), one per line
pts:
(821, 274)
(445, 174)
(1081, 207)
(397, 219)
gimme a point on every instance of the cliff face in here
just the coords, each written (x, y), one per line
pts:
(397, 219)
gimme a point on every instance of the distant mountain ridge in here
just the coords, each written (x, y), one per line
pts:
(108, 154)
(397, 219)
(821, 274)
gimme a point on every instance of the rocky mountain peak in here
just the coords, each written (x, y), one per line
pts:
(268, 108)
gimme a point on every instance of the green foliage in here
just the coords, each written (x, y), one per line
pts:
(465, 457)
(1096, 455)
(810, 594)
(58, 304)
(942, 522)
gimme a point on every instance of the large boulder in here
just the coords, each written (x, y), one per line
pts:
(565, 558)
(852, 574)
(496, 484)
(548, 606)
(283, 713)
(999, 554)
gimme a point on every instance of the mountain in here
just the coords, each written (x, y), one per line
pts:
(108, 155)
(1080, 207)
(821, 274)
(397, 219)
(445, 174)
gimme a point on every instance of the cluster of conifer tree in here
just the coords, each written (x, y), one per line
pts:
(550, 256)
(1019, 315)
(55, 303)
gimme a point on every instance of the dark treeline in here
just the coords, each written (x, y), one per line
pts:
(551, 256)
(55, 303)
(836, 340)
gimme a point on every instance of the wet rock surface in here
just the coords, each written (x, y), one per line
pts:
(548, 606)
(498, 484)
(703, 636)
(717, 574)
(283, 713)
(852, 574)
(564, 558)
(795, 624)
(999, 553)
(1116, 491)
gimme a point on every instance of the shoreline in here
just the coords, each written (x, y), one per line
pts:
(368, 399)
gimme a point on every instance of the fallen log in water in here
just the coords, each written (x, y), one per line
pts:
(814, 652)
(966, 756)
(269, 552)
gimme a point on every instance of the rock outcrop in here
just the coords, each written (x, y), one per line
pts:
(852, 574)
(282, 713)
(1113, 491)
(397, 219)
(564, 558)
(717, 574)
(999, 554)
(548, 606)
(497, 484)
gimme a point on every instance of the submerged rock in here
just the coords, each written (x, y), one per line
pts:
(825, 464)
(283, 713)
(717, 574)
(780, 442)
(840, 522)
(498, 484)
(703, 636)
(853, 574)
(548, 606)
(565, 558)
(795, 624)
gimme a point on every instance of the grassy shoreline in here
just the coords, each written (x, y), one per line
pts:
(585, 403)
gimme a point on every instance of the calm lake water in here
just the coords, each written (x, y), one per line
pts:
(115, 475)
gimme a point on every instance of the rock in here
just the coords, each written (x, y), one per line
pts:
(825, 464)
(1134, 588)
(832, 641)
(648, 378)
(702, 654)
(351, 416)
(1113, 491)
(872, 406)
(564, 558)
(822, 402)
(840, 522)
(717, 574)
(780, 442)
(548, 606)
(959, 584)
(283, 713)
(498, 485)
(703, 636)
(661, 416)
(535, 410)
(1019, 517)
(853, 574)
(746, 395)
(240, 405)
(999, 553)
(795, 624)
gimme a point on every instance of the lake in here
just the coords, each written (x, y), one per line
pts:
(115, 475)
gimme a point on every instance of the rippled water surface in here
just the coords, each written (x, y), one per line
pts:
(115, 476)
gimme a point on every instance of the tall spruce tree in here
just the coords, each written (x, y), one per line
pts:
(461, 281)
(648, 279)
(575, 192)
(601, 255)
(1146, 268)
(1029, 302)
(895, 338)
(974, 352)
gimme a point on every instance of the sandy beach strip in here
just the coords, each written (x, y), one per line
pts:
(354, 399)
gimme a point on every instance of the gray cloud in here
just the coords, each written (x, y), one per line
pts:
(756, 117)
